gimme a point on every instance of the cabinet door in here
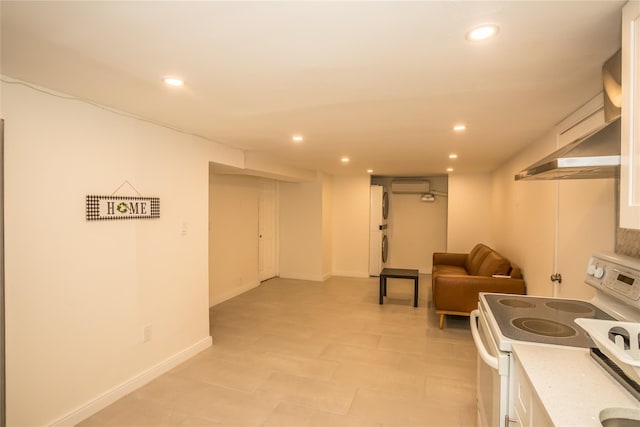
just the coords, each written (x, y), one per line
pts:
(539, 417)
(529, 411)
(630, 149)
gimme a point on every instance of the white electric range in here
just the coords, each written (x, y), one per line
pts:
(504, 319)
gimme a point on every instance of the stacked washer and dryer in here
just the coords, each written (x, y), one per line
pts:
(378, 240)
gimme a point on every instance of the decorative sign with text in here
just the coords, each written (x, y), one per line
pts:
(122, 207)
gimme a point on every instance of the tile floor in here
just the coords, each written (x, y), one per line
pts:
(297, 353)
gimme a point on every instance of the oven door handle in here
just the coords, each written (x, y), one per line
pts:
(482, 351)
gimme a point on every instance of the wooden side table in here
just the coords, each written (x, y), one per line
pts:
(399, 273)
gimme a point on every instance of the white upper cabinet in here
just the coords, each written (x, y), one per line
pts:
(630, 149)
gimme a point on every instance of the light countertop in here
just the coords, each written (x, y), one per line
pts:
(571, 386)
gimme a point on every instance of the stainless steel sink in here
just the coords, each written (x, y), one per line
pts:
(620, 417)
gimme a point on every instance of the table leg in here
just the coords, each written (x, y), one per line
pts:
(415, 292)
(381, 288)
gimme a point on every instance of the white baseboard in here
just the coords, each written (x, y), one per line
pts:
(306, 277)
(327, 276)
(234, 292)
(357, 274)
(107, 398)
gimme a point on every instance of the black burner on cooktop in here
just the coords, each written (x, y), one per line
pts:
(542, 320)
(546, 327)
(570, 306)
(519, 303)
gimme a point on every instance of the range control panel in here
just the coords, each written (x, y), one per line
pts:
(615, 274)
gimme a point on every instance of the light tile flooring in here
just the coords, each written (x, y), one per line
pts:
(297, 353)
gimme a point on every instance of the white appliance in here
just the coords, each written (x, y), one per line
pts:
(378, 239)
(503, 319)
(410, 186)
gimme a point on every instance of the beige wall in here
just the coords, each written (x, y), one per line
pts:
(417, 229)
(351, 226)
(301, 235)
(587, 222)
(233, 235)
(551, 226)
(323, 231)
(78, 293)
(469, 220)
(327, 226)
(524, 218)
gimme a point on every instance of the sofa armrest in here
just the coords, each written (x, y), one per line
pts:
(449, 258)
(459, 293)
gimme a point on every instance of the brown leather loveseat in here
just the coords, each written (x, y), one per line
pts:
(458, 278)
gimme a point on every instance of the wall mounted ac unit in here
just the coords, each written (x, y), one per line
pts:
(410, 187)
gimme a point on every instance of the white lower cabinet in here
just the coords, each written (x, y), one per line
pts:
(528, 410)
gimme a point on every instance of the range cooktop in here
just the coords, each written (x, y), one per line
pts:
(543, 320)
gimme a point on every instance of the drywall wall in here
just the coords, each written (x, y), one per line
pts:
(469, 214)
(258, 164)
(524, 218)
(233, 235)
(587, 222)
(416, 229)
(300, 230)
(351, 225)
(342, 202)
(262, 166)
(79, 294)
(551, 227)
(327, 225)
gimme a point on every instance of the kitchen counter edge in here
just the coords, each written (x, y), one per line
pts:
(571, 386)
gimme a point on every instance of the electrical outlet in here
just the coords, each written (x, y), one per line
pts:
(146, 333)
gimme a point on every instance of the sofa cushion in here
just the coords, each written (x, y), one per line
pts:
(448, 269)
(494, 264)
(472, 253)
(515, 272)
(475, 258)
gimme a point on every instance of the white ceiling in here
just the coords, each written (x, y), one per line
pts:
(381, 82)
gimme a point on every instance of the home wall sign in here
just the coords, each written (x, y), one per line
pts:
(101, 208)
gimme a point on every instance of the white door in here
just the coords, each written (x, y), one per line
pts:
(267, 229)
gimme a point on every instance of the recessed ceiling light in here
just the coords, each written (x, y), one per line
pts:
(453, 156)
(449, 169)
(483, 32)
(369, 170)
(459, 127)
(174, 81)
(345, 160)
(297, 138)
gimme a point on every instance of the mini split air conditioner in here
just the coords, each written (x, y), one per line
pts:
(410, 187)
